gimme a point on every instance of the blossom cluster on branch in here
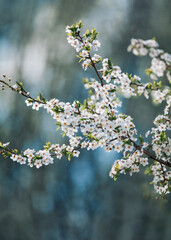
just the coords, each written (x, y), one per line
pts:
(99, 122)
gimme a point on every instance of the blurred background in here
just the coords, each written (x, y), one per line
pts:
(74, 200)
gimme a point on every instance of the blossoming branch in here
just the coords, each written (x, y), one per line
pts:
(99, 122)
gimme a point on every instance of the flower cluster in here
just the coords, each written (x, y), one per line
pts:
(43, 157)
(161, 61)
(161, 178)
(99, 122)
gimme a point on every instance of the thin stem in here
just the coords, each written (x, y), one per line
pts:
(92, 63)
(22, 92)
(150, 155)
(94, 66)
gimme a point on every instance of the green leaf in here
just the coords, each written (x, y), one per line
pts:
(87, 33)
(147, 171)
(141, 139)
(69, 157)
(149, 86)
(80, 24)
(115, 178)
(148, 71)
(47, 146)
(85, 80)
(63, 134)
(110, 63)
(41, 97)
(85, 103)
